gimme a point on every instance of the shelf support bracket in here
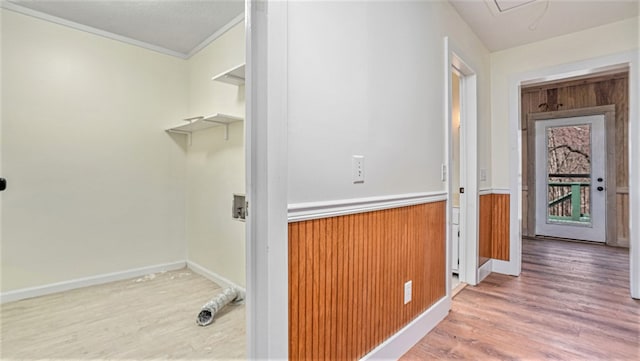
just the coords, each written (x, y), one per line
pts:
(188, 134)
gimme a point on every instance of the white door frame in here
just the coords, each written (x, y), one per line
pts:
(266, 180)
(468, 223)
(628, 59)
(460, 165)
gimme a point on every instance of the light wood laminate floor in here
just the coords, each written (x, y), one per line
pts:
(151, 317)
(571, 302)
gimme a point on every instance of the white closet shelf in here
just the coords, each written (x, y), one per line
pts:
(201, 123)
(233, 76)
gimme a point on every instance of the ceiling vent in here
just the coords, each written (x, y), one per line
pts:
(502, 6)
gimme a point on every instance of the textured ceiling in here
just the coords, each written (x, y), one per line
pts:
(177, 25)
(538, 20)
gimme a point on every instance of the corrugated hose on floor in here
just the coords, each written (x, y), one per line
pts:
(209, 310)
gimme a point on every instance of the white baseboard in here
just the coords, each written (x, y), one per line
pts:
(220, 280)
(87, 281)
(504, 267)
(398, 344)
(485, 270)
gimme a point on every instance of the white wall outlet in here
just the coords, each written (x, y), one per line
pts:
(357, 166)
(407, 292)
(443, 172)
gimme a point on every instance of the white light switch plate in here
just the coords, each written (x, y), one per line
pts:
(357, 166)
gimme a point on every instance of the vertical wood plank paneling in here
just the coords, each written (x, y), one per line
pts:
(347, 278)
(364, 274)
(302, 279)
(484, 234)
(500, 227)
(322, 286)
(351, 281)
(316, 287)
(294, 268)
(308, 287)
(378, 219)
(342, 276)
(493, 236)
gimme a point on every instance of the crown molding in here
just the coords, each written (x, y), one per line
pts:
(109, 35)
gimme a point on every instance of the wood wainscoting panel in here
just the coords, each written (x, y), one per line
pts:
(500, 227)
(485, 224)
(347, 276)
(494, 226)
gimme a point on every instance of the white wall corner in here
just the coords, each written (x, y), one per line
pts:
(215, 277)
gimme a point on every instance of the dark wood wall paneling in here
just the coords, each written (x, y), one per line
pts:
(494, 227)
(347, 276)
(584, 93)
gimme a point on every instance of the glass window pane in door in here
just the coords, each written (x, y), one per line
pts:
(569, 174)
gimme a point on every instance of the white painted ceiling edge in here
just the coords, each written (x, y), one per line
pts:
(525, 21)
(175, 45)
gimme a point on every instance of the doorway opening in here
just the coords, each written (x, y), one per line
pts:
(93, 213)
(457, 157)
(549, 100)
(574, 156)
(461, 170)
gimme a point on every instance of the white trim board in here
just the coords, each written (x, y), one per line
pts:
(486, 191)
(266, 134)
(216, 278)
(317, 210)
(109, 35)
(30, 292)
(398, 344)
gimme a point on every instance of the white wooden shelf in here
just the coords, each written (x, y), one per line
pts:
(201, 123)
(233, 76)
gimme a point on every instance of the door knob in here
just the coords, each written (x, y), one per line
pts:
(3, 184)
(600, 189)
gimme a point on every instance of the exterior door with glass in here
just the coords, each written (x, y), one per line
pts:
(570, 179)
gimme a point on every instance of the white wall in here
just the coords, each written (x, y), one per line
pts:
(600, 41)
(96, 185)
(215, 167)
(367, 78)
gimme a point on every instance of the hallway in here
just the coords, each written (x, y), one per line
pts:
(571, 302)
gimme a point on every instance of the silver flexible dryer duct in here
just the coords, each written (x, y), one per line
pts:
(209, 310)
